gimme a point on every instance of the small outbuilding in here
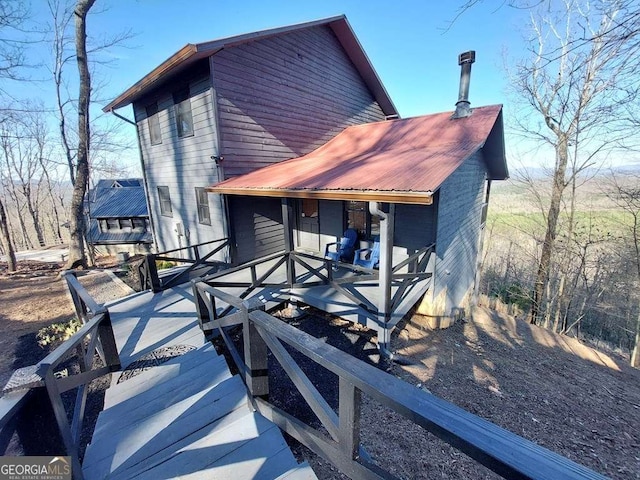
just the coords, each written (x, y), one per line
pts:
(117, 217)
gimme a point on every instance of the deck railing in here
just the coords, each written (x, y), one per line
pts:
(415, 268)
(94, 337)
(501, 451)
(148, 271)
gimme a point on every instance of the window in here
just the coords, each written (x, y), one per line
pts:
(113, 224)
(140, 223)
(155, 135)
(184, 120)
(103, 225)
(126, 224)
(165, 201)
(309, 208)
(359, 218)
(202, 199)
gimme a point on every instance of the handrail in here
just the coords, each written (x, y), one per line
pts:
(505, 453)
(148, 271)
(95, 335)
(159, 254)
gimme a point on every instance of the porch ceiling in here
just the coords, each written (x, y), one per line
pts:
(397, 161)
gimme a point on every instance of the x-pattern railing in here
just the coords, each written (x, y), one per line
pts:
(503, 452)
(148, 271)
(94, 337)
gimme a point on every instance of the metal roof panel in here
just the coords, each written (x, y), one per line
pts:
(408, 156)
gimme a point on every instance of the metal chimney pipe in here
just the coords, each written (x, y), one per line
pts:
(465, 60)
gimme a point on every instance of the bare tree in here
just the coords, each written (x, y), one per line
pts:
(5, 238)
(77, 256)
(13, 14)
(569, 90)
(81, 160)
(627, 197)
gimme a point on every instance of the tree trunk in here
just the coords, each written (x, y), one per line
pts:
(542, 277)
(5, 237)
(635, 355)
(77, 257)
(35, 220)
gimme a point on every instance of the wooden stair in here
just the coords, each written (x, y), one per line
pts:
(187, 418)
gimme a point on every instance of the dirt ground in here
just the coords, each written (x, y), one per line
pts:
(30, 299)
(36, 296)
(547, 388)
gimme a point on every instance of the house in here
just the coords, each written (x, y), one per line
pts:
(117, 217)
(282, 139)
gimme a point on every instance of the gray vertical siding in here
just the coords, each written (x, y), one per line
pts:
(275, 99)
(331, 222)
(458, 226)
(257, 226)
(414, 227)
(182, 163)
(284, 96)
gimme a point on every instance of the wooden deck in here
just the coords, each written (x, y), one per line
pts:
(323, 297)
(187, 417)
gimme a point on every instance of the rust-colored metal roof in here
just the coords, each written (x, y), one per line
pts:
(191, 53)
(400, 161)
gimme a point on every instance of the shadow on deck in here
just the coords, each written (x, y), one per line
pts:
(351, 292)
(189, 417)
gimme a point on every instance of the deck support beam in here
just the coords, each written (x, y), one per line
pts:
(387, 220)
(287, 223)
(255, 352)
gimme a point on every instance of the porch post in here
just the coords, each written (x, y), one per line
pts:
(287, 223)
(385, 266)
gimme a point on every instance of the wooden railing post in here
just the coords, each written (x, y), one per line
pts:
(78, 304)
(108, 343)
(63, 423)
(202, 312)
(152, 280)
(328, 264)
(349, 419)
(255, 353)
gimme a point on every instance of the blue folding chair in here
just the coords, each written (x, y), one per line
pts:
(344, 249)
(368, 257)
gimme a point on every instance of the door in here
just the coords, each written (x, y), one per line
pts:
(308, 225)
(257, 226)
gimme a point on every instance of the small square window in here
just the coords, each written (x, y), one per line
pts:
(182, 108)
(202, 199)
(165, 202)
(113, 224)
(153, 121)
(359, 218)
(140, 224)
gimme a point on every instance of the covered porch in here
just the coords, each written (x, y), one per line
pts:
(413, 187)
(375, 298)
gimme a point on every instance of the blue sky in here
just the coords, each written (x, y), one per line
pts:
(412, 44)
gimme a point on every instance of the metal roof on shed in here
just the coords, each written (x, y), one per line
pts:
(118, 202)
(400, 161)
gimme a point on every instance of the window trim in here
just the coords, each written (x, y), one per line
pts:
(365, 234)
(202, 207)
(153, 123)
(182, 108)
(165, 202)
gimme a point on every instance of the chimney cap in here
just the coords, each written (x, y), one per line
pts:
(467, 57)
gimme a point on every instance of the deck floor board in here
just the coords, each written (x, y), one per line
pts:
(185, 418)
